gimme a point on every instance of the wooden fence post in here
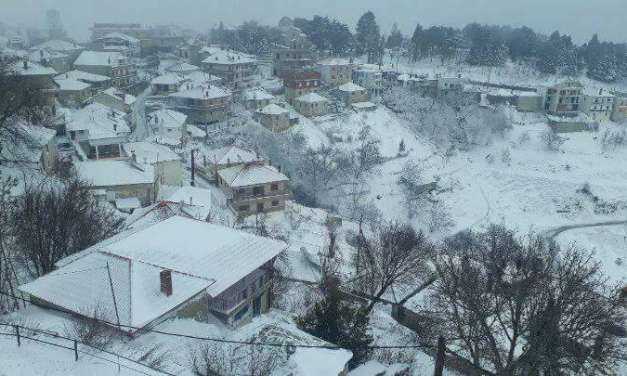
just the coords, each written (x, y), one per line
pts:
(439, 358)
(75, 350)
(17, 334)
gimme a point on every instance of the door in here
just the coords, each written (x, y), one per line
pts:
(257, 306)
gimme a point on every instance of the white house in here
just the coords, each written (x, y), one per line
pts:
(142, 276)
(598, 103)
(99, 131)
(169, 126)
(167, 165)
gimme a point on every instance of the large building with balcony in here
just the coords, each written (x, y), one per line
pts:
(564, 99)
(253, 189)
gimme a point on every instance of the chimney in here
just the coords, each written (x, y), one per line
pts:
(133, 156)
(115, 127)
(25, 65)
(165, 276)
(41, 53)
(601, 91)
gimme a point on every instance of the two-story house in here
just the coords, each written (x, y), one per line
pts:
(111, 64)
(99, 131)
(335, 71)
(299, 84)
(598, 104)
(202, 104)
(142, 276)
(235, 68)
(253, 188)
(288, 61)
(217, 159)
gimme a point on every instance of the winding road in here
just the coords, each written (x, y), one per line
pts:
(552, 233)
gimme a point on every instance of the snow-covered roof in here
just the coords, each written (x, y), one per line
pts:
(101, 58)
(202, 92)
(168, 79)
(273, 109)
(199, 78)
(32, 69)
(212, 258)
(127, 98)
(111, 173)
(579, 118)
(312, 98)
(167, 118)
(118, 35)
(196, 202)
(71, 85)
(246, 175)
(369, 67)
(147, 152)
(99, 120)
(350, 87)
(335, 61)
(231, 154)
(220, 56)
(195, 132)
(182, 68)
(363, 105)
(42, 55)
(83, 76)
(127, 203)
(320, 361)
(58, 45)
(257, 94)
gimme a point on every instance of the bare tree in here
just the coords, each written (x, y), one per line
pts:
(396, 255)
(91, 331)
(227, 359)
(22, 100)
(50, 222)
(8, 274)
(513, 307)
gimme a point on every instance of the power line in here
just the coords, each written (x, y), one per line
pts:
(225, 340)
(35, 330)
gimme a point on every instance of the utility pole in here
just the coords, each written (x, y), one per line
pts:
(193, 183)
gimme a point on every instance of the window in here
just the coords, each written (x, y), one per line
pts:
(244, 208)
(260, 281)
(274, 187)
(243, 295)
(275, 203)
(258, 191)
(239, 315)
(260, 207)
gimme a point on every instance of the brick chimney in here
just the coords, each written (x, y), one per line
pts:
(165, 277)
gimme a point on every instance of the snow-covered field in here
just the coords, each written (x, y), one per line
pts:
(532, 190)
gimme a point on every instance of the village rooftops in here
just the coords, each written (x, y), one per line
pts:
(147, 152)
(230, 155)
(579, 118)
(101, 58)
(257, 94)
(116, 93)
(121, 36)
(198, 78)
(58, 46)
(211, 259)
(167, 118)
(182, 68)
(32, 69)
(227, 57)
(312, 98)
(203, 92)
(112, 173)
(247, 175)
(100, 121)
(41, 56)
(350, 88)
(71, 85)
(335, 61)
(273, 109)
(83, 76)
(168, 79)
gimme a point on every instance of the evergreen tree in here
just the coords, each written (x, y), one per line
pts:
(606, 69)
(341, 323)
(487, 46)
(522, 44)
(368, 37)
(395, 40)
(415, 45)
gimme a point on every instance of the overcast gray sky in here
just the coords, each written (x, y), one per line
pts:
(579, 18)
